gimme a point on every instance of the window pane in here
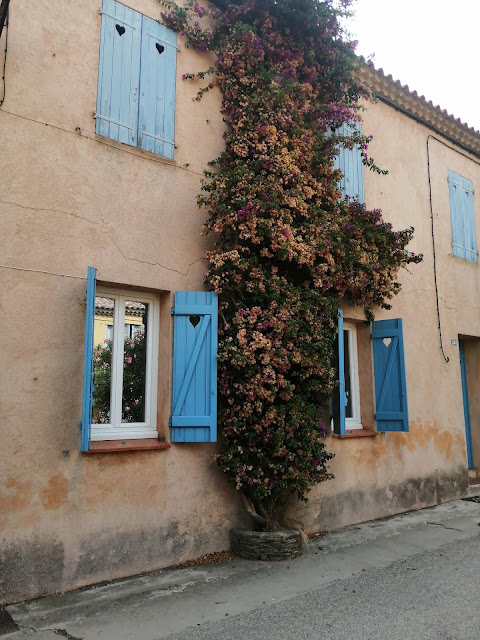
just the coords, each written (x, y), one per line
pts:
(348, 388)
(134, 362)
(102, 359)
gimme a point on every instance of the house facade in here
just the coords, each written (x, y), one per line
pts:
(108, 434)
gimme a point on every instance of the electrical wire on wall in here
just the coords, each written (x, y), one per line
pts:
(446, 358)
(4, 65)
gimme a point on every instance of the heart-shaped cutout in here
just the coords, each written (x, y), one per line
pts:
(160, 48)
(387, 341)
(194, 320)
(120, 29)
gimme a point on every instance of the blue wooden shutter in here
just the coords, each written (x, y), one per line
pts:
(339, 398)
(119, 73)
(87, 402)
(194, 402)
(390, 379)
(350, 162)
(156, 128)
(462, 218)
(466, 404)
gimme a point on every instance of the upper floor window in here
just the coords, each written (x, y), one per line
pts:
(350, 162)
(136, 80)
(464, 241)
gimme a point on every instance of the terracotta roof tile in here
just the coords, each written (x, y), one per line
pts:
(400, 95)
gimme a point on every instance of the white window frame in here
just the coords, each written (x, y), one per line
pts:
(354, 398)
(116, 429)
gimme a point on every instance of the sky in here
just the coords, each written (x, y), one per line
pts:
(433, 46)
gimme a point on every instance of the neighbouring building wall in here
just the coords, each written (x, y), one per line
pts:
(394, 472)
(70, 199)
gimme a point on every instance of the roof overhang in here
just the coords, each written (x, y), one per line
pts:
(399, 96)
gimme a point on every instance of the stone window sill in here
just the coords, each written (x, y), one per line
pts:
(113, 446)
(356, 433)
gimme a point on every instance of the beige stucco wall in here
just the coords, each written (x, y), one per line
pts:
(68, 200)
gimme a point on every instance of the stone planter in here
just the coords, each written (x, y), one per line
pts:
(266, 545)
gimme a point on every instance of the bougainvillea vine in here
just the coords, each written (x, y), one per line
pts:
(288, 248)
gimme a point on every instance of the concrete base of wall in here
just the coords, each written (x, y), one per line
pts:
(35, 567)
(332, 512)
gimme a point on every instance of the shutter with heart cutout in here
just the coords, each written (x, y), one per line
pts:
(194, 393)
(156, 113)
(119, 73)
(390, 380)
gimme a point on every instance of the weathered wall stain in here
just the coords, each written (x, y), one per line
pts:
(369, 503)
(15, 496)
(119, 552)
(55, 494)
(30, 568)
(448, 444)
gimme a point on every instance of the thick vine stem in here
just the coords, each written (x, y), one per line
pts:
(248, 504)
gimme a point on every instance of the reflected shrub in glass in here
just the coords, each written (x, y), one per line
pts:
(133, 396)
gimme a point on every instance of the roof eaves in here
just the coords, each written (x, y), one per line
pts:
(393, 92)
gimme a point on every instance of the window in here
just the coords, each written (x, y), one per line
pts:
(464, 241)
(391, 408)
(125, 367)
(136, 80)
(120, 372)
(352, 388)
(108, 332)
(350, 162)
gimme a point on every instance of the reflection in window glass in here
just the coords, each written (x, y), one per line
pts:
(134, 363)
(102, 359)
(348, 385)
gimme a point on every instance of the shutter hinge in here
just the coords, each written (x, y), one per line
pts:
(175, 144)
(172, 311)
(169, 422)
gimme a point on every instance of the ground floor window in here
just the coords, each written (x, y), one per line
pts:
(352, 387)
(125, 365)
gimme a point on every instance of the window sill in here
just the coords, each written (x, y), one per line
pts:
(357, 433)
(130, 148)
(112, 446)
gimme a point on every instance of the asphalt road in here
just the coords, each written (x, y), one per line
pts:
(430, 596)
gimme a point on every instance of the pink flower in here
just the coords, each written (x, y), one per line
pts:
(127, 408)
(129, 360)
(286, 233)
